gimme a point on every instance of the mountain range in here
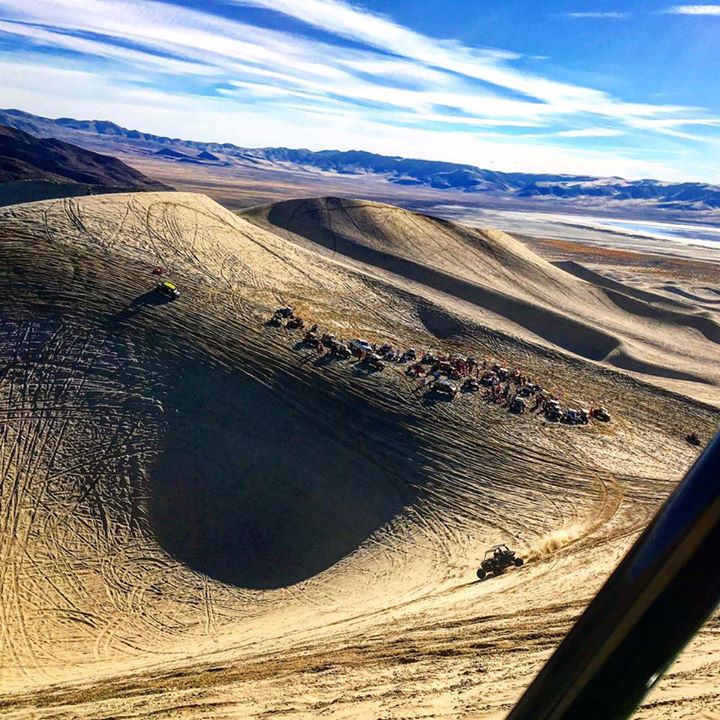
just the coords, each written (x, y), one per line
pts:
(475, 181)
(32, 168)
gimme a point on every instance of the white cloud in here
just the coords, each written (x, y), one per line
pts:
(695, 10)
(446, 72)
(40, 36)
(88, 94)
(489, 66)
(596, 14)
(589, 132)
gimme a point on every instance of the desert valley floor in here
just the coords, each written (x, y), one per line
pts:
(202, 519)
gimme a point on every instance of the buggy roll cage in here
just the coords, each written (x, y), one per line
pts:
(651, 606)
(494, 548)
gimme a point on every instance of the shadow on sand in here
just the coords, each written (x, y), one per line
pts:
(152, 298)
(263, 487)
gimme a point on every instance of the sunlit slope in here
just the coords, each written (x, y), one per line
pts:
(511, 287)
(201, 520)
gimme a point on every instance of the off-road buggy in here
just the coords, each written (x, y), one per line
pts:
(360, 347)
(340, 349)
(470, 385)
(693, 439)
(295, 323)
(496, 560)
(601, 413)
(553, 411)
(310, 338)
(444, 388)
(373, 361)
(168, 290)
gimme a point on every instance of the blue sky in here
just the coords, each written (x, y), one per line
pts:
(603, 87)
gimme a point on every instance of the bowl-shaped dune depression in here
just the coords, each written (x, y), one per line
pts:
(204, 516)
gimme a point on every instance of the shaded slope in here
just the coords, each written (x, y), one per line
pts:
(491, 270)
(24, 157)
(267, 493)
(585, 273)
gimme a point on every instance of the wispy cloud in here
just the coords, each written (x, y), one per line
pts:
(42, 37)
(589, 132)
(694, 10)
(596, 14)
(487, 65)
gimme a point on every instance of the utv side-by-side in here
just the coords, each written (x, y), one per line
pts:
(168, 290)
(444, 388)
(496, 560)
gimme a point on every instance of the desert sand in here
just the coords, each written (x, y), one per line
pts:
(202, 520)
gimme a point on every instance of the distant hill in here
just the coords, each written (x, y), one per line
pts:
(569, 190)
(201, 158)
(35, 169)
(175, 154)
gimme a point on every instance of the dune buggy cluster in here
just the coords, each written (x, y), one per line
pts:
(444, 376)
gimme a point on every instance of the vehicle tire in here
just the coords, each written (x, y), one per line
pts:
(481, 574)
(518, 562)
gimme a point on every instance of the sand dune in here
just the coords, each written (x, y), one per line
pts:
(567, 306)
(585, 273)
(707, 299)
(201, 519)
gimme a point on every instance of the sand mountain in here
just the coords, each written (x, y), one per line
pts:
(203, 518)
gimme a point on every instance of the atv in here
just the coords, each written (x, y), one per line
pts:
(553, 412)
(444, 387)
(693, 439)
(517, 406)
(168, 290)
(496, 560)
(470, 385)
(601, 414)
